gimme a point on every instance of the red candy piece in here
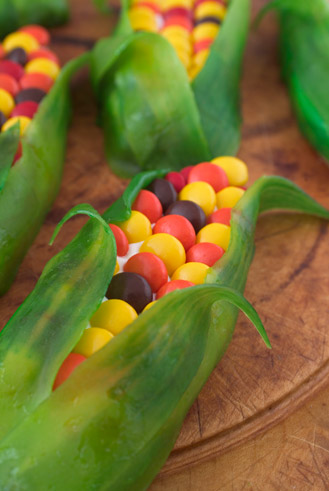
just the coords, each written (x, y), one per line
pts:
(186, 172)
(179, 21)
(8, 83)
(203, 44)
(148, 204)
(150, 266)
(210, 173)
(68, 366)
(11, 68)
(220, 216)
(120, 239)
(36, 81)
(38, 32)
(205, 252)
(178, 12)
(27, 108)
(178, 226)
(43, 53)
(18, 153)
(176, 179)
(170, 286)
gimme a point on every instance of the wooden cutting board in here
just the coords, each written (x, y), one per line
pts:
(227, 441)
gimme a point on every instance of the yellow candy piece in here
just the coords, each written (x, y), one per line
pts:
(143, 19)
(141, 10)
(201, 193)
(92, 340)
(175, 31)
(114, 315)
(168, 4)
(142, 24)
(20, 39)
(117, 268)
(180, 43)
(7, 102)
(149, 305)
(228, 197)
(24, 122)
(137, 227)
(43, 65)
(207, 30)
(216, 233)
(193, 271)
(184, 58)
(235, 169)
(199, 59)
(210, 9)
(167, 248)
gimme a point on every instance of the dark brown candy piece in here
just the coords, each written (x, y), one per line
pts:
(3, 119)
(132, 288)
(32, 94)
(18, 55)
(164, 190)
(190, 210)
(212, 20)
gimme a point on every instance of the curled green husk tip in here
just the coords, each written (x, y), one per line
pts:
(237, 299)
(84, 209)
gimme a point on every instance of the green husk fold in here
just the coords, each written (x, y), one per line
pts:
(152, 116)
(112, 424)
(31, 185)
(50, 322)
(304, 49)
(17, 13)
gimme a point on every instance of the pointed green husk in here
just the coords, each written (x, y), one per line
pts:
(17, 13)
(304, 49)
(152, 116)
(51, 320)
(30, 186)
(112, 424)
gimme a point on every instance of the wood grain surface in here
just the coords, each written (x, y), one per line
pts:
(261, 421)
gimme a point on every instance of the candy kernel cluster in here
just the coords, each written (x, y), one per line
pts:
(28, 69)
(178, 228)
(189, 25)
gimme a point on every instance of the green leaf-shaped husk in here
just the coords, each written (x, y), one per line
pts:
(51, 320)
(152, 116)
(31, 185)
(112, 424)
(304, 48)
(17, 13)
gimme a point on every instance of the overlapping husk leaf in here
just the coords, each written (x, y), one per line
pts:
(112, 424)
(152, 116)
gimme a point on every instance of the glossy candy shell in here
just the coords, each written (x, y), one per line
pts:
(172, 286)
(131, 288)
(150, 266)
